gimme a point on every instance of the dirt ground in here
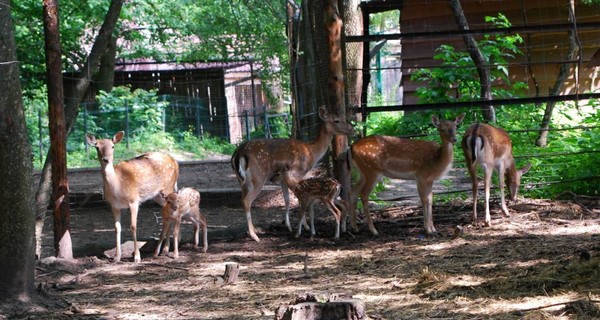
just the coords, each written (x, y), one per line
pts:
(541, 263)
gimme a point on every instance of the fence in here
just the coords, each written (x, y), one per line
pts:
(175, 115)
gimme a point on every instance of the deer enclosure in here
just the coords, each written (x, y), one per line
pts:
(541, 263)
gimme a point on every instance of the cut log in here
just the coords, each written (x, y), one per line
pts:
(232, 270)
(323, 307)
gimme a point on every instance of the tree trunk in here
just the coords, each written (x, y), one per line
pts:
(72, 108)
(293, 34)
(333, 25)
(58, 138)
(563, 74)
(353, 25)
(106, 74)
(16, 191)
(482, 66)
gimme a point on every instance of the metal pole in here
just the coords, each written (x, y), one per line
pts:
(127, 126)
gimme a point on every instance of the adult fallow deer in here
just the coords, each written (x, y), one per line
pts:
(397, 158)
(491, 148)
(131, 182)
(257, 161)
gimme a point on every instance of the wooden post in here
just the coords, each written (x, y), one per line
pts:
(333, 24)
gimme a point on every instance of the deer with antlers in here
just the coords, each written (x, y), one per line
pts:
(397, 158)
(491, 148)
(257, 161)
(131, 182)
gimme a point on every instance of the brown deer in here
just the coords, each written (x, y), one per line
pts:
(491, 148)
(308, 191)
(397, 158)
(131, 182)
(184, 203)
(257, 161)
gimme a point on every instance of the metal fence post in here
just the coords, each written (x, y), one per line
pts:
(127, 125)
(247, 118)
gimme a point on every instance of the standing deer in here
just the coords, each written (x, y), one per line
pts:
(491, 148)
(131, 182)
(308, 191)
(397, 158)
(184, 203)
(257, 161)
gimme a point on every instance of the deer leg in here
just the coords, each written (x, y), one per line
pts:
(163, 235)
(134, 213)
(501, 180)
(301, 214)
(249, 192)
(356, 189)
(117, 215)
(176, 238)
(204, 233)
(337, 214)
(286, 198)
(369, 185)
(489, 170)
(313, 230)
(474, 187)
(426, 196)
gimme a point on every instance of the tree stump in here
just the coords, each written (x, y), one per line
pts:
(323, 306)
(232, 270)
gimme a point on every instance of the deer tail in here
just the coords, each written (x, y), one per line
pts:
(476, 144)
(240, 166)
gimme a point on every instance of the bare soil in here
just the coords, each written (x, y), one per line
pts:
(541, 263)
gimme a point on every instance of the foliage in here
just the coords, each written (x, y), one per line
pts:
(142, 109)
(456, 78)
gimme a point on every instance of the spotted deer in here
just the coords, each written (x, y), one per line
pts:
(313, 189)
(491, 148)
(131, 182)
(423, 161)
(257, 161)
(184, 203)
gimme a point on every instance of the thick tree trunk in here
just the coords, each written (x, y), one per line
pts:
(106, 74)
(333, 24)
(293, 34)
(16, 193)
(482, 66)
(563, 74)
(353, 25)
(58, 136)
(72, 108)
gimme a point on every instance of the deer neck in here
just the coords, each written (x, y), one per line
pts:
(319, 146)
(110, 179)
(445, 155)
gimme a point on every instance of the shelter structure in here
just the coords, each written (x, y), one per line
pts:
(545, 25)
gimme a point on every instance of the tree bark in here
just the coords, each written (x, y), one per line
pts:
(562, 76)
(482, 66)
(106, 73)
(16, 191)
(232, 270)
(333, 24)
(72, 108)
(293, 34)
(353, 25)
(58, 138)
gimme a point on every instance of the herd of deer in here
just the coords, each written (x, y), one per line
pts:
(154, 175)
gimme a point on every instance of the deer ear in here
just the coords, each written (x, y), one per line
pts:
(459, 119)
(435, 120)
(524, 170)
(323, 113)
(91, 140)
(118, 136)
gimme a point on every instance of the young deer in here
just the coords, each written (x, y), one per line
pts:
(131, 182)
(257, 161)
(308, 191)
(491, 148)
(182, 204)
(397, 158)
